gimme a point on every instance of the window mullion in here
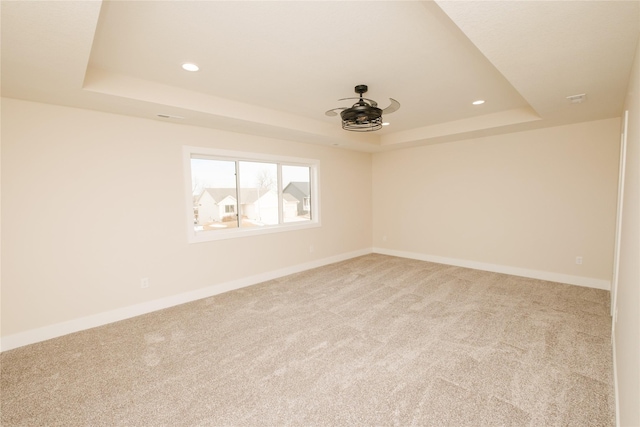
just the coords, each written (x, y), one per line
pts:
(238, 213)
(280, 195)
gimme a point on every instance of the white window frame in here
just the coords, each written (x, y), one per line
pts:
(231, 233)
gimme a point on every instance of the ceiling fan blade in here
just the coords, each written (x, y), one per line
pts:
(391, 108)
(333, 112)
(371, 101)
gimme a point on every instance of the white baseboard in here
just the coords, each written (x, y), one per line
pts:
(496, 268)
(56, 330)
(59, 329)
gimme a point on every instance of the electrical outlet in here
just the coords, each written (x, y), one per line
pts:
(144, 282)
(311, 248)
(384, 238)
(579, 260)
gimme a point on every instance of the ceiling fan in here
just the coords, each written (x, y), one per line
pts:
(364, 115)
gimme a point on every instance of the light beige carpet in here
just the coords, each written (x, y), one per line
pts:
(375, 340)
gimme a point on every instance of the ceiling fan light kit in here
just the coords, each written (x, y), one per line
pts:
(364, 115)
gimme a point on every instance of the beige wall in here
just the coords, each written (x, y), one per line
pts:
(627, 327)
(531, 200)
(93, 202)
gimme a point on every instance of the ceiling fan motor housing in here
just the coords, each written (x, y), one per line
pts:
(361, 112)
(361, 89)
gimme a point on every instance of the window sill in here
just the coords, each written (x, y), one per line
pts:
(234, 233)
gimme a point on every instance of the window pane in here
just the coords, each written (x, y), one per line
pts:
(296, 193)
(258, 194)
(214, 194)
(247, 194)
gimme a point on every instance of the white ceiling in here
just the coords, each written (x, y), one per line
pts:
(273, 68)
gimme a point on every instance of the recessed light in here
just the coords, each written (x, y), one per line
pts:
(190, 67)
(478, 102)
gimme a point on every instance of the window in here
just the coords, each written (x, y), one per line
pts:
(233, 194)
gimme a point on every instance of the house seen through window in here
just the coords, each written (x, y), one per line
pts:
(248, 192)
